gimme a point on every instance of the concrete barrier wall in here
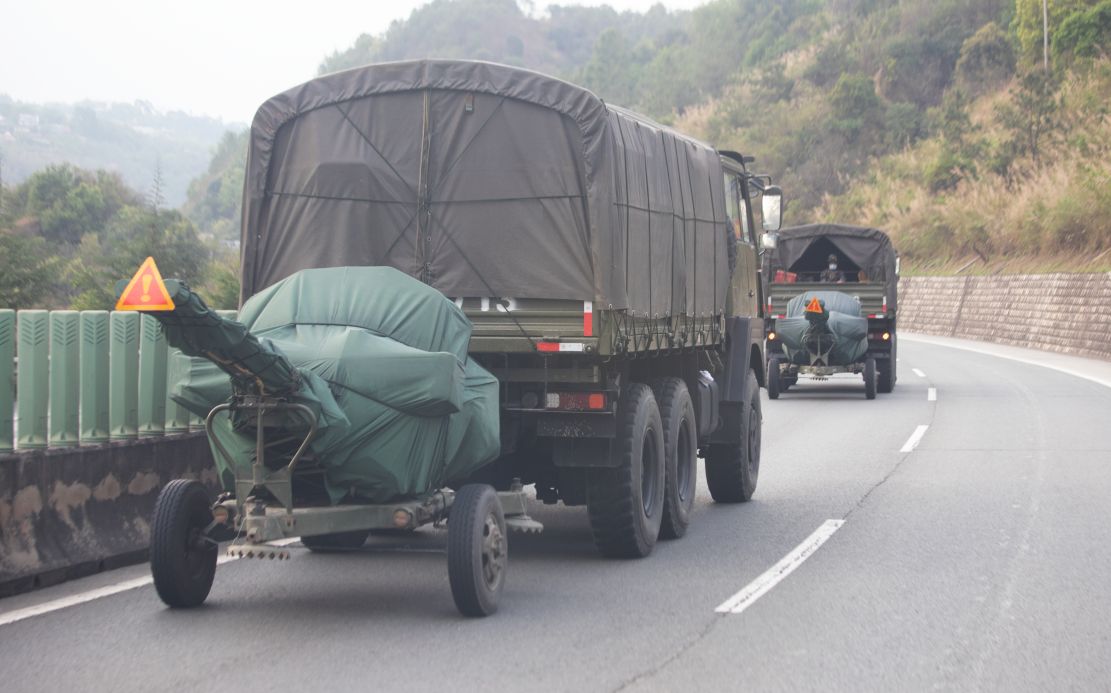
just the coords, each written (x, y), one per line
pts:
(1067, 313)
(70, 512)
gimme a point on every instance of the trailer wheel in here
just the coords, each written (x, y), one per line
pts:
(887, 373)
(477, 550)
(625, 503)
(732, 469)
(680, 454)
(773, 378)
(337, 541)
(870, 378)
(182, 560)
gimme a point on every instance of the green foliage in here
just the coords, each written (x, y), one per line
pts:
(29, 272)
(70, 203)
(855, 105)
(134, 234)
(1028, 23)
(987, 60)
(1032, 115)
(1084, 33)
(903, 125)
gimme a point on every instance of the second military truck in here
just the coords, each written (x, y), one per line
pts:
(609, 266)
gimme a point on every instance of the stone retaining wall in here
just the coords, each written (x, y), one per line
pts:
(1067, 313)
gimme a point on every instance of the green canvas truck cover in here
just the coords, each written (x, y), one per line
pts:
(484, 180)
(868, 249)
(382, 359)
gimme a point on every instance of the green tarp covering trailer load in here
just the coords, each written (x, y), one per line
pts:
(605, 267)
(832, 295)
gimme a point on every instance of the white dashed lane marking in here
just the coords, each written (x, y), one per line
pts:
(771, 577)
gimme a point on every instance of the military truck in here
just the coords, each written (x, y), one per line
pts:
(867, 275)
(609, 266)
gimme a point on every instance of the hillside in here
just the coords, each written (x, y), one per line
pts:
(134, 140)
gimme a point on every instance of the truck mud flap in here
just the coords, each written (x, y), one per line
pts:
(738, 341)
(584, 452)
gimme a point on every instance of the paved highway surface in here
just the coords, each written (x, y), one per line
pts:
(976, 559)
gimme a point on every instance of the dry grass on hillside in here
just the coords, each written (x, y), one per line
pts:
(1050, 215)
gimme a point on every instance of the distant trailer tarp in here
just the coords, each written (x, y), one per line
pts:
(484, 180)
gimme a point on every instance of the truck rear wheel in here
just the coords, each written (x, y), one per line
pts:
(870, 378)
(732, 469)
(625, 503)
(886, 373)
(680, 454)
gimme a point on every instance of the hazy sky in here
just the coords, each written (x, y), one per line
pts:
(213, 57)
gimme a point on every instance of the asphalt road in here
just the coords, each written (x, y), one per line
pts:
(977, 560)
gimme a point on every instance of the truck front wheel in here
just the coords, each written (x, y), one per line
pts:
(732, 469)
(625, 503)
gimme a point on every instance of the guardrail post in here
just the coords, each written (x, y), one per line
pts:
(34, 354)
(177, 416)
(94, 376)
(64, 377)
(123, 407)
(7, 387)
(152, 378)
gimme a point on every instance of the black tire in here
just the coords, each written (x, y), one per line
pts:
(182, 563)
(773, 378)
(337, 541)
(477, 550)
(870, 378)
(625, 503)
(680, 455)
(732, 469)
(887, 374)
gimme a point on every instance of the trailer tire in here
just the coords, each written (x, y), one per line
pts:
(336, 541)
(182, 563)
(477, 550)
(870, 378)
(774, 382)
(625, 503)
(680, 455)
(732, 469)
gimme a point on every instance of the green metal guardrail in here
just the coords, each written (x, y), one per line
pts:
(84, 378)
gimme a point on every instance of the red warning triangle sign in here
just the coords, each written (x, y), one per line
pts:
(814, 306)
(146, 290)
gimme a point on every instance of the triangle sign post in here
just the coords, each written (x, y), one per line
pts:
(814, 306)
(146, 290)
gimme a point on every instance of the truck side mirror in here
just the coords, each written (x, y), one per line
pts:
(769, 241)
(772, 207)
(897, 263)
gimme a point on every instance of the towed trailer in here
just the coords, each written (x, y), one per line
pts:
(329, 419)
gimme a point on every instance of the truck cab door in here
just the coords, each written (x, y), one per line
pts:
(744, 288)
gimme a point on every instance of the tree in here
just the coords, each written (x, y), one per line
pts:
(1028, 25)
(1031, 117)
(987, 60)
(1085, 33)
(28, 272)
(134, 234)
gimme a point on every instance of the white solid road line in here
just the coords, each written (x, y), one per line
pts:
(763, 584)
(101, 592)
(919, 373)
(915, 438)
(931, 394)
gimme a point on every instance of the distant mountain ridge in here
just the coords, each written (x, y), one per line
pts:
(135, 140)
